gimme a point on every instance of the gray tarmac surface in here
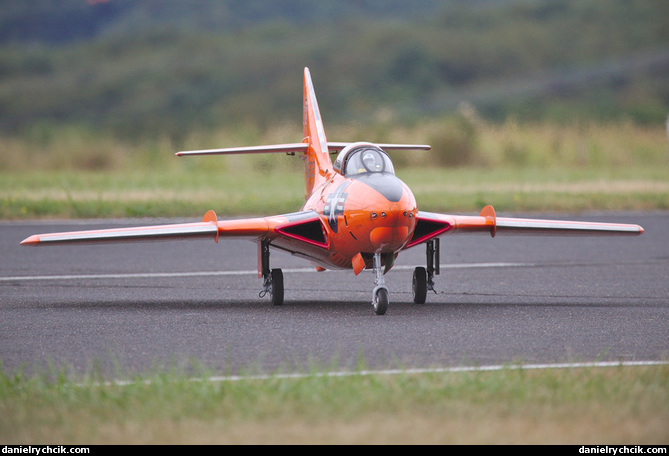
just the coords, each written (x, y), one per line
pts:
(135, 308)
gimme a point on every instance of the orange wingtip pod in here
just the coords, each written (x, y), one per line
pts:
(489, 213)
(210, 216)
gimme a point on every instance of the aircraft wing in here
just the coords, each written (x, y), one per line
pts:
(431, 225)
(286, 230)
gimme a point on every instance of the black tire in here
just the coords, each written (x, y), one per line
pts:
(381, 301)
(419, 285)
(277, 287)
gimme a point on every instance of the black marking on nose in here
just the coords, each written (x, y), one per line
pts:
(386, 184)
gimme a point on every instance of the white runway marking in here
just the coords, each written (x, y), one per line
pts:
(159, 275)
(234, 378)
(445, 370)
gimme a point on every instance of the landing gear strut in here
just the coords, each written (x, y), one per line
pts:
(423, 278)
(272, 278)
(380, 293)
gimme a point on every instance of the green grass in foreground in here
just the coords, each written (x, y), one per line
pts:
(605, 405)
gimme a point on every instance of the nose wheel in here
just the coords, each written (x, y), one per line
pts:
(380, 302)
(380, 294)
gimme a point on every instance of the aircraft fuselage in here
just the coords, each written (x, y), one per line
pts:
(372, 213)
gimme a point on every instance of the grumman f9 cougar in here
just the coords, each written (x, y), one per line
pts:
(357, 215)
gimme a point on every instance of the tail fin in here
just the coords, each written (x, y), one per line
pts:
(317, 160)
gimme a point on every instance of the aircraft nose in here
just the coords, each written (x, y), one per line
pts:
(393, 228)
(388, 238)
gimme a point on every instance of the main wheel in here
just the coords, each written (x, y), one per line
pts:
(277, 287)
(419, 285)
(381, 301)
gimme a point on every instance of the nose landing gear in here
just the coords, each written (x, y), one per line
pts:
(380, 293)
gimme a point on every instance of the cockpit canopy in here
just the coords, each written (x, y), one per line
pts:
(362, 158)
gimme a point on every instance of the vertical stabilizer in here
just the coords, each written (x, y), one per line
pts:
(317, 160)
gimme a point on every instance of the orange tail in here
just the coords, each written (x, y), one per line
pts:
(317, 161)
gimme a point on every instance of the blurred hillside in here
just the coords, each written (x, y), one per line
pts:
(145, 68)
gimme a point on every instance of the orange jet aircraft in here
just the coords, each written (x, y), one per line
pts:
(357, 215)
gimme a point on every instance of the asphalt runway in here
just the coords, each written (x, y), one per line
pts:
(134, 308)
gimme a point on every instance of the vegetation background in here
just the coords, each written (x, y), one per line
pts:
(97, 95)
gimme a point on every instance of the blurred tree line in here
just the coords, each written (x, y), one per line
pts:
(139, 68)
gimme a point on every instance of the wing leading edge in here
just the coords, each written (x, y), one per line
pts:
(431, 225)
(285, 230)
(206, 229)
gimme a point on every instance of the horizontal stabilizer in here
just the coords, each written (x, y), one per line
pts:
(291, 148)
(278, 148)
(335, 147)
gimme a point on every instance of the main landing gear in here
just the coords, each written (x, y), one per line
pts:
(423, 278)
(272, 278)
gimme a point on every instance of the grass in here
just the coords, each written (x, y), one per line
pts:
(143, 193)
(177, 193)
(590, 405)
(72, 173)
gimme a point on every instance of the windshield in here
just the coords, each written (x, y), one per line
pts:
(367, 159)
